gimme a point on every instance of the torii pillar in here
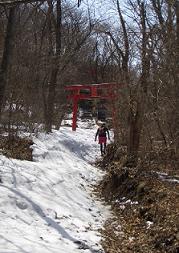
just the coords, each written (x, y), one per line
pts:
(108, 88)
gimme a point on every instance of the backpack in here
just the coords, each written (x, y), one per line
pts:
(102, 131)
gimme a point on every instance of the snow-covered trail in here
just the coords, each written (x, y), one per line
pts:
(45, 205)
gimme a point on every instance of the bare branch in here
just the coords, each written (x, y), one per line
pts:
(10, 2)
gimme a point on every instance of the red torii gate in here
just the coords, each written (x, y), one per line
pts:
(93, 92)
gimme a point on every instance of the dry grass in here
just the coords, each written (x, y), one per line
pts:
(149, 222)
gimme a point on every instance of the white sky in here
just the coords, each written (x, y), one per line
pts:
(101, 9)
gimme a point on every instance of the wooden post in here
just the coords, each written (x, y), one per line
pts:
(93, 91)
(75, 109)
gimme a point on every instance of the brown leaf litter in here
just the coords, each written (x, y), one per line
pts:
(16, 147)
(145, 203)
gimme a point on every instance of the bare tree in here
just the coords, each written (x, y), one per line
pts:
(49, 104)
(136, 116)
(7, 54)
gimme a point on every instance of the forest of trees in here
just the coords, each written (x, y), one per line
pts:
(45, 45)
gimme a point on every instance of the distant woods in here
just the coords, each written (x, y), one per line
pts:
(40, 44)
(45, 45)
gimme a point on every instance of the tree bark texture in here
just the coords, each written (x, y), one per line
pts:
(7, 54)
(177, 74)
(49, 109)
(136, 119)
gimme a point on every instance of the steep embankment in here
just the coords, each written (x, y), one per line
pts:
(145, 202)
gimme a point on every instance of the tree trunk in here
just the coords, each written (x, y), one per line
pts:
(177, 72)
(49, 112)
(135, 127)
(7, 55)
(50, 100)
(123, 55)
(136, 119)
(177, 19)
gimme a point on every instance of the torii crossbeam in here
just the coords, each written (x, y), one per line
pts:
(108, 92)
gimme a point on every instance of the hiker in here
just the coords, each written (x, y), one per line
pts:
(101, 133)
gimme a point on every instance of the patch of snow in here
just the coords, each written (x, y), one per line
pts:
(46, 205)
(122, 207)
(173, 180)
(131, 239)
(149, 223)
(123, 203)
(166, 177)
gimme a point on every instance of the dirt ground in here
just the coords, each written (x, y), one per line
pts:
(145, 204)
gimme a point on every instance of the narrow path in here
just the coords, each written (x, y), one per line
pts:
(45, 205)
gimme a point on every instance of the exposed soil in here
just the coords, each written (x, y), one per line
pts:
(145, 203)
(16, 147)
